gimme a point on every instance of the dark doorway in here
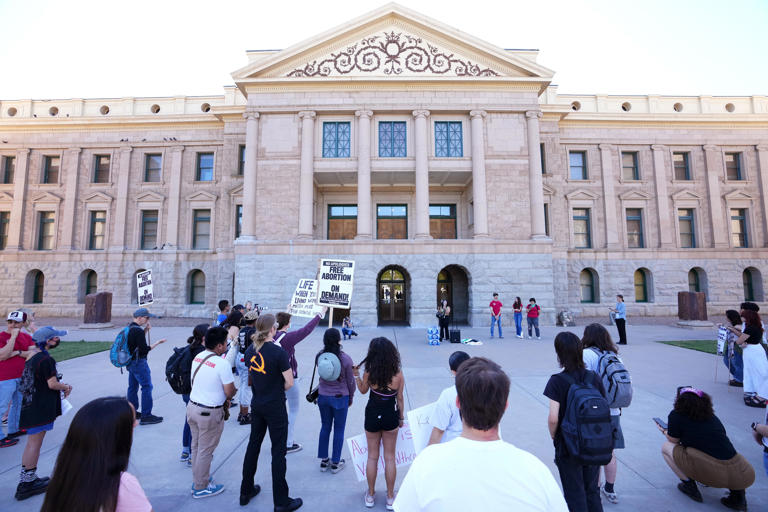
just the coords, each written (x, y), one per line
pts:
(392, 297)
(453, 286)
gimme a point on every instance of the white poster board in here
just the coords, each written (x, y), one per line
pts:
(418, 419)
(144, 288)
(722, 340)
(335, 279)
(304, 301)
(358, 449)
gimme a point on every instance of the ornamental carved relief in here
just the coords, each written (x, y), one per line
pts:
(392, 53)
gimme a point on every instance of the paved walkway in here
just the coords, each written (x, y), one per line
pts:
(644, 481)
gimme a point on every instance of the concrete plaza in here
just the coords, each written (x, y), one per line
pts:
(644, 482)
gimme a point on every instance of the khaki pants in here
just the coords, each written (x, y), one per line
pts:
(206, 426)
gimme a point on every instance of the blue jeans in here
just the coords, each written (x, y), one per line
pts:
(333, 412)
(519, 324)
(737, 364)
(580, 485)
(186, 437)
(347, 332)
(9, 394)
(497, 321)
(533, 323)
(139, 375)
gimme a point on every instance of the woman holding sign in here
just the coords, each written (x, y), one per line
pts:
(383, 413)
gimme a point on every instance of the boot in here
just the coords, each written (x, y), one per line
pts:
(689, 488)
(736, 500)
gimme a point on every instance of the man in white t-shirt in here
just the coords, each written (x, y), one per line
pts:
(479, 471)
(212, 386)
(445, 419)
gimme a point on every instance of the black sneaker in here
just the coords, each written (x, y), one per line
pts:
(736, 500)
(293, 504)
(245, 498)
(690, 489)
(338, 466)
(150, 419)
(8, 441)
(28, 489)
(138, 415)
(18, 433)
(295, 447)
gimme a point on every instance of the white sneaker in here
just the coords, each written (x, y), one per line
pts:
(610, 496)
(369, 502)
(538, 337)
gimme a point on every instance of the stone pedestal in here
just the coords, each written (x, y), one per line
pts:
(97, 313)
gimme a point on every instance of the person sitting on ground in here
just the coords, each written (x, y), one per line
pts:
(755, 361)
(91, 473)
(493, 475)
(347, 328)
(698, 449)
(445, 420)
(732, 352)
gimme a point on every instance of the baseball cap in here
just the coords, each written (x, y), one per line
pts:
(43, 334)
(143, 312)
(17, 316)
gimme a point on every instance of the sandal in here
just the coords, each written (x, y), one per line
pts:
(753, 401)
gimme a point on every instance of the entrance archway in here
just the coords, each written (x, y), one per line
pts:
(392, 285)
(453, 286)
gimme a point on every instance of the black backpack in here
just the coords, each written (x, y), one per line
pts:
(178, 369)
(586, 428)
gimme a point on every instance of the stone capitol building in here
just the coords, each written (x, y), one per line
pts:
(444, 166)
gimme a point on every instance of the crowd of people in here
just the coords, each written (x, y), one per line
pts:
(250, 356)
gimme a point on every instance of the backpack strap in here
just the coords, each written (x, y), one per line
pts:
(198, 367)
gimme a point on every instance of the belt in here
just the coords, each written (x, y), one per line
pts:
(206, 406)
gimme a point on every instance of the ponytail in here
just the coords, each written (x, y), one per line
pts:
(264, 326)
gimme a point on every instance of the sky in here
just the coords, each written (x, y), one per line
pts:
(54, 49)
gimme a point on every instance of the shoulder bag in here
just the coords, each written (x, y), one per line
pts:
(314, 391)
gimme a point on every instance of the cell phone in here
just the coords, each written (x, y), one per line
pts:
(661, 423)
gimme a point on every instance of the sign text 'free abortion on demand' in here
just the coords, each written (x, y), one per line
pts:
(144, 288)
(335, 279)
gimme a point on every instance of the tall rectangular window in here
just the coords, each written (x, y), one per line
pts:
(204, 167)
(629, 169)
(577, 161)
(342, 221)
(153, 165)
(241, 159)
(442, 221)
(739, 227)
(98, 228)
(336, 140)
(392, 139)
(201, 229)
(392, 221)
(449, 139)
(149, 229)
(543, 155)
(5, 218)
(685, 222)
(101, 169)
(45, 231)
(546, 219)
(9, 169)
(582, 237)
(635, 228)
(238, 220)
(682, 165)
(733, 166)
(51, 169)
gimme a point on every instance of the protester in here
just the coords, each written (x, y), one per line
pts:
(597, 342)
(445, 420)
(479, 471)
(15, 347)
(270, 376)
(580, 482)
(91, 473)
(212, 387)
(224, 309)
(248, 306)
(754, 357)
(444, 319)
(244, 341)
(195, 347)
(532, 316)
(517, 307)
(760, 432)
(336, 392)
(233, 324)
(288, 342)
(138, 369)
(347, 328)
(39, 408)
(698, 449)
(29, 323)
(732, 352)
(495, 306)
(620, 317)
(383, 413)
(751, 306)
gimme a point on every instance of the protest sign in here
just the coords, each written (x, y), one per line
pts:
(304, 299)
(418, 419)
(358, 449)
(144, 288)
(335, 279)
(722, 339)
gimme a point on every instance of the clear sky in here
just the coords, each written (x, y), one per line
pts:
(107, 48)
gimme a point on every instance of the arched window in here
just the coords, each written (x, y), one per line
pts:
(86, 285)
(588, 286)
(642, 285)
(753, 284)
(34, 287)
(694, 282)
(197, 287)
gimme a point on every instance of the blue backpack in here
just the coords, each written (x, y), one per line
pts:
(586, 427)
(119, 354)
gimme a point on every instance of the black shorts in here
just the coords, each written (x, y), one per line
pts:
(381, 415)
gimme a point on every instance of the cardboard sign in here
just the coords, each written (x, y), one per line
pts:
(358, 449)
(722, 340)
(335, 283)
(144, 288)
(418, 419)
(304, 301)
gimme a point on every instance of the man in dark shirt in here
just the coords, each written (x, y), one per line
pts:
(138, 369)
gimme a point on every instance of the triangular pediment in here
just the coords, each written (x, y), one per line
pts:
(202, 196)
(98, 197)
(686, 195)
(737, 195)
(581, 195)
(548, 191)
(634, 195)
(149, 197)
(46, 197)
(5, 197)
(393, 42)
(236, 191)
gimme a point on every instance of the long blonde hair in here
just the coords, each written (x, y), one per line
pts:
(264, 326)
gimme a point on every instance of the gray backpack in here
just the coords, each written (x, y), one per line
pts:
(616, 379)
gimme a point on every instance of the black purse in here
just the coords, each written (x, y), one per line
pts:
(314, 392)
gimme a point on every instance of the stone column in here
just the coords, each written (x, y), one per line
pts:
(364, 175)
(15, 231)
(666, 226)
(121, 207)
(249, 174)
(762, 160)
(609, 197)
(306, 175)
(535, 181)
(479, 187)
(174, 198)
(421, 134)
(714, 161)
(69, 170)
